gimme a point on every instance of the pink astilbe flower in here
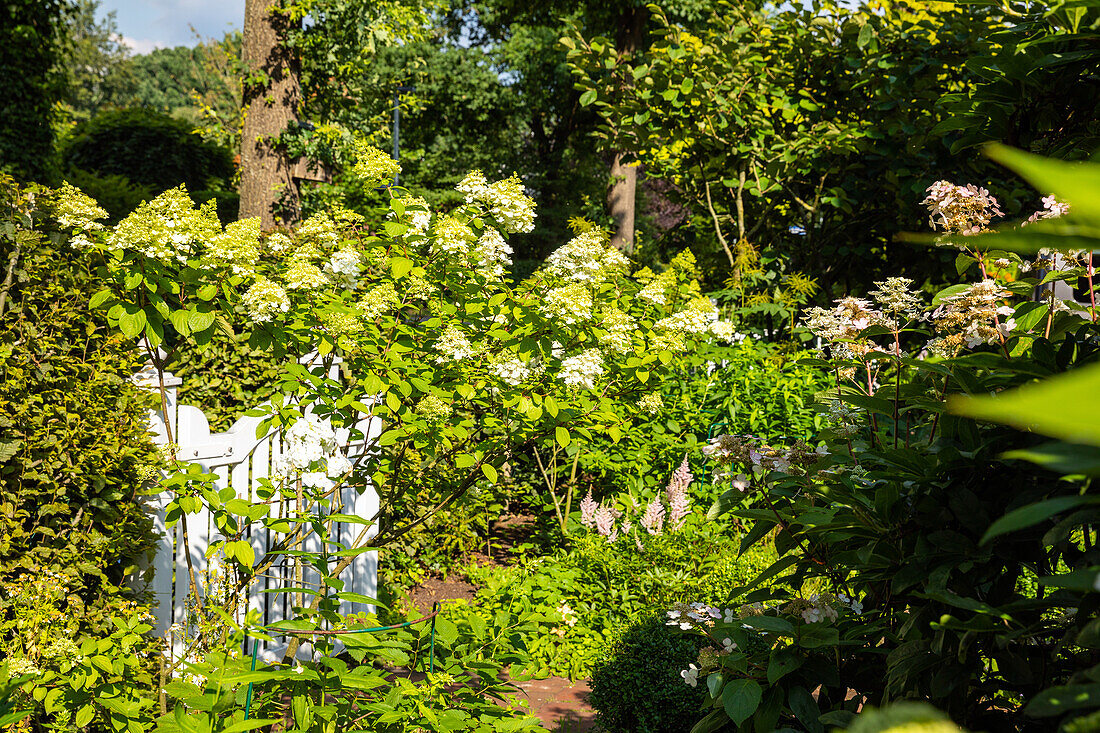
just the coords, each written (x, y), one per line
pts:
(588, 510)
(676, 495)
(654, 518)
(605, 517)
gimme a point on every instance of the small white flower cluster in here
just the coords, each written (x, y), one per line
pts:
(656, 290)
(237, 247)
(586, 258)
(343, 268)
(453, 237)
(75, 210)
(307, 442)
(852, 604)
(754, 456)
(842, 325)
(264, 299)
(504, 199)
(302, 275)
(1052, 209)
(845, 419)
(493, 254)
(618, 328)
(433, 408)
(279, 244)
(377, 301)
(418, 214)
(514, 371)
(373, 166)
(583, 370)
(318, 231)
(972, 318)
(453, 346)
(896, 296)
(571, 303)
(960, 209)
(696, 318)
(819, 610)
(651, 403)
(688, 616)
(167, 228)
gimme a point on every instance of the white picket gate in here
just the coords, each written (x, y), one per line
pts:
(239, 460)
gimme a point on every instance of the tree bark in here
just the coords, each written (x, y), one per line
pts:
(621, 194)
(271, 99)
(620, 201)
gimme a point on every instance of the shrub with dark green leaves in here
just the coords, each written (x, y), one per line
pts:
(148, 148)
(637, 687)
(74, 448)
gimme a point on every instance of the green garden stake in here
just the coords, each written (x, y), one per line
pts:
(431, 649)
(248, 697)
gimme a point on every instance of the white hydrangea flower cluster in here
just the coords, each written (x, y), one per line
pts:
(307, 442)
(972, 318)
(264, 299)
(237, 247)
(618, 331)
(587, 258)
(960, 209)
(493, 254)
(433, 409)
(278, 243)
(504, 199)
(75, 210)
(570, 303)
(372, 165)
(842, 325)
(302, 275)
(896, 296)
(453, 346)
(453, 237)
(583, 370)
(725, 331)
(318, 231)
(696, 318)
(514, 371)
(377, 301)
(656, 290)
(418, 213)
(651, 403)
(343, 268)
(167, 228)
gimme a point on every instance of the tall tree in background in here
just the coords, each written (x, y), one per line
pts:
(272, 97)
(30, 46)
(96, 64)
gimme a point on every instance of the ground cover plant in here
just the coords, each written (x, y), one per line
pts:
(928, 558)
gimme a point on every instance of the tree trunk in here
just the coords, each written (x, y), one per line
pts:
(620, 202)
(268, 189)
(621, 194)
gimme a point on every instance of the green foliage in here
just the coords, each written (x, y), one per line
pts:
(96, 68)
(607, 587)
(946, 567)
(115, 193)
(30, 48)
(149, 148)
(780, 128)
(1037, 88)
(636, 684)
(74, 458)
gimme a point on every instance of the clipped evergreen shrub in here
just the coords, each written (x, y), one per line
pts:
(74, 448)
(149, 148)
(637, 687)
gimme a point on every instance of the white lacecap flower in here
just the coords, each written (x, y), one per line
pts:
(453, 346)
(690, 675)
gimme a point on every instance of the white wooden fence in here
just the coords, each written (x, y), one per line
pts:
(239, 460)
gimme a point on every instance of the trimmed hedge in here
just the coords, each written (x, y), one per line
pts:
(74, 448)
